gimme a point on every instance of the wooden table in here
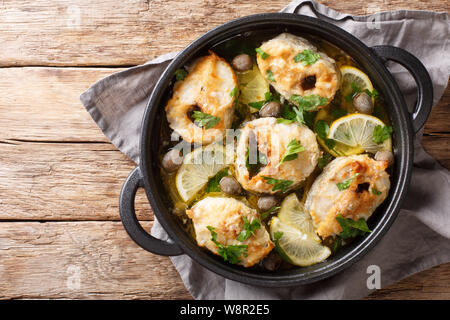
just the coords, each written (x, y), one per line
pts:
(60, 177)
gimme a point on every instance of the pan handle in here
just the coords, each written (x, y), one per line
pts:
(131, 223)
(420, 75)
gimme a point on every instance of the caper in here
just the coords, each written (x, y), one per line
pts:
(267, 202)
(363, 103)
(270, 109)
(172, 160)
(229, 185)
(242, 62)
(385, 156)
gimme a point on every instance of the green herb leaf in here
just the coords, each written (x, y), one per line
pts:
(269, 75)
(309, 103)
(324, 160)
(248, 229)
(337, 243)
(307, 57)
(262, 54)
(266, 214)
(277, 235)
(230, 253)
(287, 112)
(345, 184)
(299, 116)
(180, 74)
(374, 93)
(284, 121)
(381, 133)
(376, 192)
(257, 105)
(355, 90)
(233, 92)
(322, 129)
(352, 228)
(292, 150)
(278, 184)
(213, 183)
(205, 120)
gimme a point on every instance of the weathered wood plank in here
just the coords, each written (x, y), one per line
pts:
(60, 181)
(49, 97)
(428, 284)
(108, 32)
(45, 260)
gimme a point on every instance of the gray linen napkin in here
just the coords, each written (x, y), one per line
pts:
(419, 238)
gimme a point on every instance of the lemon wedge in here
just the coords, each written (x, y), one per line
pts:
(353, 78)
(198, 167)
(253, 87)
(356, 132)
(295, 246)
(293, 213)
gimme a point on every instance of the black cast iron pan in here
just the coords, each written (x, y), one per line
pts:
(405, 125)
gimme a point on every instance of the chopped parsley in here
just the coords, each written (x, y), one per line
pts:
(307, 57)
(180, 74)
(269, 74)
(266, 214)
(292, 150)
(345, 184)
(278, 184)
(277, 235)
(324, 160)
(355, 90)
(381, 133)
(233, 92)
(352, 228)
(268, 97)
(337, 243)
(376, 192)
(322, 129)
(374, 93)
(230, 253)
(248, 229)
(205, 120)
(284, 121)
(213, 183)
(299, 115)
(262, 54)
(309, 103)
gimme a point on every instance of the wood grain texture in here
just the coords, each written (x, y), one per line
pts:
(129, 32)
(55, 164)
(44, 260)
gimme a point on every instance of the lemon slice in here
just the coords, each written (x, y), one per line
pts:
(357, 77)
(295, 246)
(356, 131)
(293, 213)
(253, 86)
(338, 149)
(198, 167)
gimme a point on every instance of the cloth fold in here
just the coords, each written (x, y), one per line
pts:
(419, 238)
